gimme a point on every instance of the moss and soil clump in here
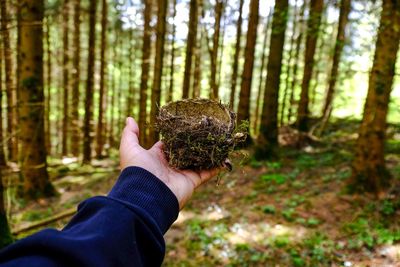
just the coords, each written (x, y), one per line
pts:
(198, 133)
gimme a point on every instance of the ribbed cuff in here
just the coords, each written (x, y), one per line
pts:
(141, 188)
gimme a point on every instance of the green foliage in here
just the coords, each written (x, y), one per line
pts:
(276, 165)
(288, 214)
(269, 209)
(35, 215)
(274, 177)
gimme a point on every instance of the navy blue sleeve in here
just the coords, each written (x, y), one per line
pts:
(123, 229)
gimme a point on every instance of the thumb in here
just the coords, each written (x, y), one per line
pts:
(130, 134)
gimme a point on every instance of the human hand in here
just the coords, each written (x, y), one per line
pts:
(181, 182)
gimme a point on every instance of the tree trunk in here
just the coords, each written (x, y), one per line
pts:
(32, 155)
(219, 7)
(5, 233)
(345, 7)
(131, 75)
(65, 77)
(146, 53)
(299, 38)
(313, 27)
(245, 88)
(289, 64)
(158, 68)
(48, 87)
(369, 171)
(2, 156)
(197, 67)
(172, 63)
(259, 92)
(235, 67)
(100, 123)
(111, 136)
(12, 145)
(87, 127)
(75, 79)
(191, 39)
(268, 137)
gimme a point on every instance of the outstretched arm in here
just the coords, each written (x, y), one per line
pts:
(124, 228)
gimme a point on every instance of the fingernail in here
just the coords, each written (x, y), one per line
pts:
(127, 121)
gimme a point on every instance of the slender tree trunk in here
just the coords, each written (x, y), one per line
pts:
(146, 53)
(158, 68)
(245, 88)
(48, 87)
(197, 68)
(219, 8)
(259, 92)
(65, 77)
(2, 155)
(87, 127)
(299, 38)
(321, 52)
(75, 79)
(268, 137)
(345, 7)
(172, 63)
(131, 77)
(289, 64)
(235, 67)
(369, 171)
(100, 123)
(12, 145)
(31, 101)
(5, 233)
(313, 27)
(191, 39)
(113, 91)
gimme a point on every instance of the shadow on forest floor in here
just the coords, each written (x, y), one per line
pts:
(292, 212)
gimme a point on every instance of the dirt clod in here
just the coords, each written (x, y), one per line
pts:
(198, 133)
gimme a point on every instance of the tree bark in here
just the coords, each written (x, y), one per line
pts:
(48, 87)
(12, 145)
(313, 27)
(5, 233)
(75, 80)
(65, 77)
(289, 64)
(158, 69)
(191, 39)
(197, 67)
(369, 171)
(172, 63)
(259, 91)
(268, 137)
(219, 8)
(245, 88)
(235, 67)
(299, 38)
(345, 7)
(32, 155)
(102, 92)
(146, 53)
(87, 127)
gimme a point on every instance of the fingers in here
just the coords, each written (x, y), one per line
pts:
(131, 132)
(206, 175)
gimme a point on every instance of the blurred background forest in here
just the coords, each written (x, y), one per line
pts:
(317, 183)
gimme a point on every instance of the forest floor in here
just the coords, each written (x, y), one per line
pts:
(292, 212)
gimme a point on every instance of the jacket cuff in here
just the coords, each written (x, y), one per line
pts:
(139, 187)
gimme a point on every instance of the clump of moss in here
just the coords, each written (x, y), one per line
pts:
(198, 134)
